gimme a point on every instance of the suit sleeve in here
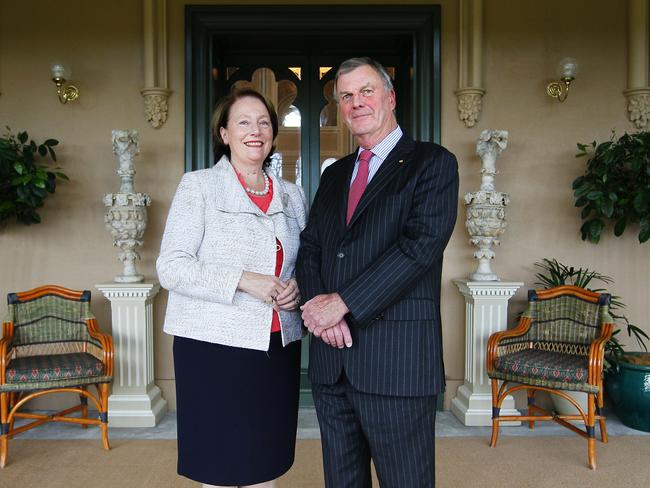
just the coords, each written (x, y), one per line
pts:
(308, 262)
(426, 232)
(179, 267)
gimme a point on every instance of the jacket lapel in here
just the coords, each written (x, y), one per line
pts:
(280, 200)
(396, 160)
(231, 197)
(342, 182)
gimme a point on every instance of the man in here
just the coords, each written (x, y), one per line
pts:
(369, 269)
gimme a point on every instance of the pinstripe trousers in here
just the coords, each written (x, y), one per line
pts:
(398, 433)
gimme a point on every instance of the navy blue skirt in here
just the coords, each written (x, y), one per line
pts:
(237, 411)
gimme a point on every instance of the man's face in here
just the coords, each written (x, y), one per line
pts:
(367, 107)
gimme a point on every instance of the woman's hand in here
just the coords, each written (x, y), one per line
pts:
(289, 298)
(267, 288)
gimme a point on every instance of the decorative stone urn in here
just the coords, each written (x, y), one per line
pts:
(486, 215)
(126, 216)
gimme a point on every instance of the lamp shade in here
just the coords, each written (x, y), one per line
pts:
(60, 70)
(567, 68)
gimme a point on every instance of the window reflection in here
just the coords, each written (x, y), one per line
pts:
(296, 70)
(329, 113)
(292, 117)
(322, 71)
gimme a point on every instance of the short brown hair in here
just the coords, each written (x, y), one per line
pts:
(222, 113)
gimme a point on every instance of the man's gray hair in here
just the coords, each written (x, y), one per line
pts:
(354, 63)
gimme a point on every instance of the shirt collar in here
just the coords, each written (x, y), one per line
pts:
(386, 145)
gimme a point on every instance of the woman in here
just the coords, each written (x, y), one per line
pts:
(227, 258)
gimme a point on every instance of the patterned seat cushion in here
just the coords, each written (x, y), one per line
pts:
(544, 368)
(51, 368)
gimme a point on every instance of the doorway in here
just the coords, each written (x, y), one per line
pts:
(290, 54)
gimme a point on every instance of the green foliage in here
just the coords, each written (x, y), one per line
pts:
(615, 186)
(24, 183)
(552, 273)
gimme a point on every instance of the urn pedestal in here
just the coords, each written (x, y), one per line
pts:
(486, 312)
(135, 400)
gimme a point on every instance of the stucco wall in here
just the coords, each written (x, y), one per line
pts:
(523, 40)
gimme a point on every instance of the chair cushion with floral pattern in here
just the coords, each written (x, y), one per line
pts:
(544, 368)
(35, 372)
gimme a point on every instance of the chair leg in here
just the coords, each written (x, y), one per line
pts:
(103, 414)
(591, 430)
(4, 428)
(84, 407)
(601, 421)
(13, 399)
(495, 413)
(531, 401)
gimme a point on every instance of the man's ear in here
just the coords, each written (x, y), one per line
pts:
(393, 99)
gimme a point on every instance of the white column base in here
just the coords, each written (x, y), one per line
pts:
(135, 400)
(486, 312)
(475, 409)
(137, 410)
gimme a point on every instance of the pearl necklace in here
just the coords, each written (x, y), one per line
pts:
(260, 193)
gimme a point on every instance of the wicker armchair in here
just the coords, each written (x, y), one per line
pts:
(51, 343)
(558, 345)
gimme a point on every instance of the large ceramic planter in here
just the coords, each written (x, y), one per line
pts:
(565, 407)
(629, 392)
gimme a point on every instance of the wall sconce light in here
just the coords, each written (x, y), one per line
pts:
(60, 73)
(567, 70)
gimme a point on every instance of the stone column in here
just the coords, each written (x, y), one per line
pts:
(135, 400)
(486, 312)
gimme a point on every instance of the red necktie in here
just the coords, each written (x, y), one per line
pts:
(359, 184)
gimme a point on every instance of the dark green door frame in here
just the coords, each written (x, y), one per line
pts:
(207, 26)
(203, 23)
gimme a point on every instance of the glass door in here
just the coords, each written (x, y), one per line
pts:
(311, 133)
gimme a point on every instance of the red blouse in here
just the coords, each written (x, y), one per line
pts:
(263, 203)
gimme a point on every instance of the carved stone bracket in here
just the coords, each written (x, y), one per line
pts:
(638, 106)
(470, 61)
(638, 68)
(470, 104)
(155, 92)
(155, 105)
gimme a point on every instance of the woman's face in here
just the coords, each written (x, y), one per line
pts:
(249, 132)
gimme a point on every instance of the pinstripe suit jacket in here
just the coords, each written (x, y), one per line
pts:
(386, 265)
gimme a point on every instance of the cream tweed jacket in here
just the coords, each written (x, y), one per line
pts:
(214, 233)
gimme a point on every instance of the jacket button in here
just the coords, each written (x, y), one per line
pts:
(340, 255)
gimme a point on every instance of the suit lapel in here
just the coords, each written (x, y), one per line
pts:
(346, 176)
(394, 162)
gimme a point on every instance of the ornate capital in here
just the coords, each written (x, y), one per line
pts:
(155, 105)
(638, 106)
(470, 104)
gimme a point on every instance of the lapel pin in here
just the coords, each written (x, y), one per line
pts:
(401, 161)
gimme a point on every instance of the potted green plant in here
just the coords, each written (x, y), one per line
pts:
(24, 182)
(615, 186)
(622, 371)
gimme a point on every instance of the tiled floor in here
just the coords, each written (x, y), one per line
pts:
(447, 425)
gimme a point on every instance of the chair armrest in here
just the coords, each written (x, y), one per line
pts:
(5, 347)
(106, 342)
(493, 346)
(597, 353)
